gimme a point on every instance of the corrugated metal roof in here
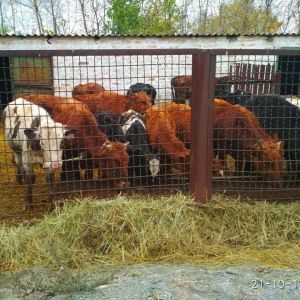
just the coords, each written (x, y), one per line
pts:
(148, 35)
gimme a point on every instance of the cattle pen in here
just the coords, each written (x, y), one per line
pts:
(201, 147)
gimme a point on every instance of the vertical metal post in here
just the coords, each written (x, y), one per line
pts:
(203, 74)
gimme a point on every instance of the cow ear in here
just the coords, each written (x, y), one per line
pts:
(280, 147)
(70, 133)
(106, 145)
(30, 133)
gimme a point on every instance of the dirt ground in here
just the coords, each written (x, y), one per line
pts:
(162, 281)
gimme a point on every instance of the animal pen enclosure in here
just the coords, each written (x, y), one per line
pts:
(210, 146)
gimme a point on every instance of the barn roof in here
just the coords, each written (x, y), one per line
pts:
(148, 35)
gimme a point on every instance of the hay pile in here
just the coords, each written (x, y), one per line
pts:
(133, 230)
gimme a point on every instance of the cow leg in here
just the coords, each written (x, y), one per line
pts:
(147, 177)
(50, 181)
(239, 163)
(131, 170)
(248, 167)
(70, 171)
(29, 181)
(20, 171)
(131, 164)
(183, 166)
(89, 167)
(70, 168)
(222, 154)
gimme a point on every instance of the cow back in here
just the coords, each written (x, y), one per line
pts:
(87, 88)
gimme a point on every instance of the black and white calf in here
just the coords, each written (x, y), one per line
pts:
(34, 138)
(143, 162)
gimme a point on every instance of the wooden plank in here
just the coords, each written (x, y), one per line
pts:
(268, 76)
(255, 78)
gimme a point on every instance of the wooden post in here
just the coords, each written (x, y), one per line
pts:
(203, 85)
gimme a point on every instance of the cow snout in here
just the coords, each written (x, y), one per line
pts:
(55, 166)
(122, 185)
(52, 165)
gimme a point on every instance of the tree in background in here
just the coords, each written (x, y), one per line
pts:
(143, 17)
(240, 16)
(124, 17)
(161, 17)
(153, 17)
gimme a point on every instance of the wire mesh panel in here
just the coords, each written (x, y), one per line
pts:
(90, 123)
(256, 125)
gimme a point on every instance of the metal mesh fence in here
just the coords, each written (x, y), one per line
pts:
(97, 124)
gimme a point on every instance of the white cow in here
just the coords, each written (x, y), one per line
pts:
(34, 138)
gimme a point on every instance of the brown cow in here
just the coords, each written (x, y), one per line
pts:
(115, 102)
(162, 137)
(182, 88)
(110, 157)
(87, 88)
(181, 115)
(237, 132)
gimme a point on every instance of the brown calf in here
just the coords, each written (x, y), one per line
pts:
(116, 103)
(87, 88)
(237, 132)
(162, 137)
(181, 115)
(182, 88)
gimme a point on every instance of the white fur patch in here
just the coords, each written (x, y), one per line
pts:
(154, 167)
(130, 121)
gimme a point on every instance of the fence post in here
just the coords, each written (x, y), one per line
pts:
(203, 82)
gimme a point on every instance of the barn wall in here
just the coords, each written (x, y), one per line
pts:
(118, 73)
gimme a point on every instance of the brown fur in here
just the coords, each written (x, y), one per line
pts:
(116, 103)
(182, 87)
(181, 115)
(162, 136)
(87, 88)
(238, 132)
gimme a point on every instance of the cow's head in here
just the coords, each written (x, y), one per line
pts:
(140, 102)
(238, 97)
(267, 159)
(114, 162)
(218, 168)
(48, 139)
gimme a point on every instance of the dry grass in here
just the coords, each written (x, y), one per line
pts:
(133, 230)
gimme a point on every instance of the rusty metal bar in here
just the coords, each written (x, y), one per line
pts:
(95, 52)
(203, 75)
(116, 52)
